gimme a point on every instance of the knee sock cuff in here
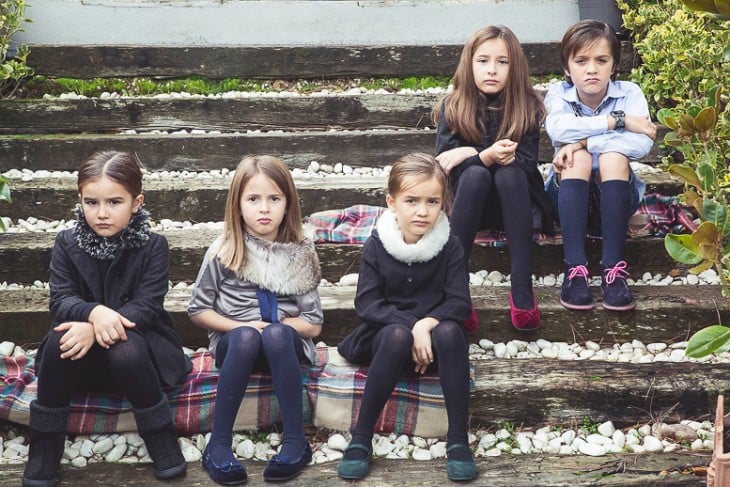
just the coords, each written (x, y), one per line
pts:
(153, 418)
(48, 420)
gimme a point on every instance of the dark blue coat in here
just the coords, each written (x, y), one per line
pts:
(134, 285)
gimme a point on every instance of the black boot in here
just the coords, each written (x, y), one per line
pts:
(47, 442)
(160, 437)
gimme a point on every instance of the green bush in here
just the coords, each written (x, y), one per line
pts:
(12, 71)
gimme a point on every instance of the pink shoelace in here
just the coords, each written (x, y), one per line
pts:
(617, 271)
(579, 270)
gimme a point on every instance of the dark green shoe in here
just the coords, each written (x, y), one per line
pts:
(460, 470)
(355, 469)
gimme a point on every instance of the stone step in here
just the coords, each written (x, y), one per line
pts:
(202, 152)
(272, 62)
(665, 314)
(616, 470)
(26, 256)
(199, 199)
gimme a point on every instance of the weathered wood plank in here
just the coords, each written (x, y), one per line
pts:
(197, 199)
(370, 148)
(664, 314)
(25, 256)
(506, 471)
(305, 62)
(240, 114)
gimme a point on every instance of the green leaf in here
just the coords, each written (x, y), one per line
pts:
(706, 172)
(682, 249)
(5, 192)
(666, 117)
(726, 53)
(715, 94)
(702, 267)
(714, 212)
(706, 119)
(707, 340)
(686, 174)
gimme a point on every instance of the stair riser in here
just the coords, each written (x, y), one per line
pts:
(26, 257)
(664, 314)
(207, 152)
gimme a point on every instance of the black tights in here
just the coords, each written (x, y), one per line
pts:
(391, 354)
(125, 366)
(473, 207)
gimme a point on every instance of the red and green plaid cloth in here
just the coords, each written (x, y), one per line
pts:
(657, 215)
(332, 390)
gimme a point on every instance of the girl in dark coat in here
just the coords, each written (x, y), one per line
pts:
(109, 330)
(412, 297)
(487, 142)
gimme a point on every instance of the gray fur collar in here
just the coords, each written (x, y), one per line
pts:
(285, 269)
(135, 235)
(422, 251)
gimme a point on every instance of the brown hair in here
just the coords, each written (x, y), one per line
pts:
(522, 108)
(232, 251)
(121, 167)
(423, 167)
(586, 33)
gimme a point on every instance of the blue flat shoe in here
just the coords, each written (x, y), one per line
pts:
(281, 468)
(460, 470)
(355, 469)
(232, 473)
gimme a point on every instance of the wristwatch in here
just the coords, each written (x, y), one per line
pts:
(620, 118)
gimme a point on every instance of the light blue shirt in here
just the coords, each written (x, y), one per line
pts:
(568, 120)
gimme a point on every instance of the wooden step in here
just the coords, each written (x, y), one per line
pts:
(290, 113)
(26, 256)
(664, 314)
(369, 148)
(200, 200)
(272, 62)
(625, 470)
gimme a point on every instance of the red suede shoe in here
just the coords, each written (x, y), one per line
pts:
(525, 319)
(470, 324)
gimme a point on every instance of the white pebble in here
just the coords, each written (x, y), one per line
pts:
(653, 444)
(592, 449)
(337, 442)
(607, 428)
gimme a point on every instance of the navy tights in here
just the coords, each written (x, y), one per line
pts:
(391, 357)
(472, 206)
(237, 354)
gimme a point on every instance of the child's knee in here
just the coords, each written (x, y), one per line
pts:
(613, 165)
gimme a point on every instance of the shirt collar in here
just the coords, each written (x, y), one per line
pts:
(570, 95)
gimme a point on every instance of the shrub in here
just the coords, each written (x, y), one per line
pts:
(12, 71)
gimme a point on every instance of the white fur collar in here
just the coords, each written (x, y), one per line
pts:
(424, 250)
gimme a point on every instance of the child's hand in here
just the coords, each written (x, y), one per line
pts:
(564, 158)
(453, 157)
(502, 152)
(77, 340)
(109, 326)
(640, 124)
(422, 351)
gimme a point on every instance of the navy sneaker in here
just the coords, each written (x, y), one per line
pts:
(575, 293)
(616, 293)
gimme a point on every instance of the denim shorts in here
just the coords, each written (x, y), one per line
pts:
(552, 187)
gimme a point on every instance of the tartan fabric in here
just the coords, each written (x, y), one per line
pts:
(191, 403)
(332, 389)
(656, 216)
(416, 406)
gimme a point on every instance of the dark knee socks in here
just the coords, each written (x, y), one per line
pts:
(615, 214)
(573, 211)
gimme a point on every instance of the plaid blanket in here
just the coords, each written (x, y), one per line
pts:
(331, 388)
(657, 215)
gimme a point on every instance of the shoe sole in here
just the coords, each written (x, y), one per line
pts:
(578, 307)
(628, 307)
